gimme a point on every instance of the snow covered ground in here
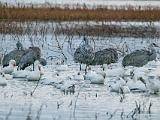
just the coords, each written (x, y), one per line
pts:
(90, 101)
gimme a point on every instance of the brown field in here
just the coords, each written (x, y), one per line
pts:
(32, 13)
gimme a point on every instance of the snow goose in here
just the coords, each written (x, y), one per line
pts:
(95, 77)
(134, 77)
(114, 72)
(8, 76)
(35, 75)
(3, 81)
(140, 72)
(20, 73)
(153, 83)
(128, 71)
(9, 69)
(118, 86)
(135, 85)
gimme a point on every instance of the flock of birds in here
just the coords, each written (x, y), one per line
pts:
(14, 64)
(85, 54)
(139, 70)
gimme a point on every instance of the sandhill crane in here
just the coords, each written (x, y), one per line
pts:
(139, 58)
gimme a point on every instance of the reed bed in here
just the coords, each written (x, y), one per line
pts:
(111, 30)
(80, 29)
(48, 18)
(78, 13)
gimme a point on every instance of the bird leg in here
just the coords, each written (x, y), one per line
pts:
(33, 66)
(80, 67)
(86, 69)
(18, 68)
(103, 68)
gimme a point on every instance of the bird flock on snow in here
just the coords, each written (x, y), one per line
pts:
(138, 71)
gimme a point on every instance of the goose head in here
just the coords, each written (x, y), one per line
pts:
(12, 63)
(153, 45)
(39, 67)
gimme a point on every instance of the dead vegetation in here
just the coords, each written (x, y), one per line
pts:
(110, 30)
(80, 28)
(31, 18)
(49, 12)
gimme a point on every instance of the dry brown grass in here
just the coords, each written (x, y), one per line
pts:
(78, 14)
(79, 29)
(9, 15)
(111, 31)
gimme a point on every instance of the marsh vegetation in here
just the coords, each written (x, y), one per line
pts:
(58, 30)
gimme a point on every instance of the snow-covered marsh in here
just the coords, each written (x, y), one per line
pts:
(88, 101)
(52, 100)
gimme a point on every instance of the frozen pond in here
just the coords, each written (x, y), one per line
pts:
(89, 102)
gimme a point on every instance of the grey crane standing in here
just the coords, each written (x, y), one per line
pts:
(139, 58)
(32, 54)
(14, 55)
(84, 53)
(105, 56)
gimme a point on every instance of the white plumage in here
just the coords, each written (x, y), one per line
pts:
(20, 74)
(3, 81)
(9, 69)
(95, 77)
(35, 75)
(153, 83)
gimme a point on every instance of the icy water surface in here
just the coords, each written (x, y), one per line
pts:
(89, 102)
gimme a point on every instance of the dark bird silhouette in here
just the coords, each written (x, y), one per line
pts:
(19, 45)
(140, 58)
(29, 57)
(84, 53)
(14, 55)
(105, 56)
